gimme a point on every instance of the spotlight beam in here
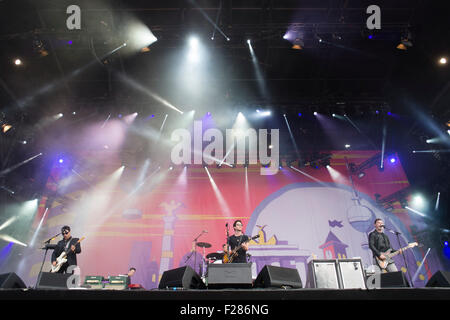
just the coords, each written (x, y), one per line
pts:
(148, 92)
(217, 20)
(415, 211)
(11, 239)
(359, 130)
(209, 19)
(8, 170)
(292, 138)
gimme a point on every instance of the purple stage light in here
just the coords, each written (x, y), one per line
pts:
(61, 160)
(392, 160)
(69, 42)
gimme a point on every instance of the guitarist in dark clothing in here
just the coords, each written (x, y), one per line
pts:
(238, 239)
(379, 243)
(69, 245)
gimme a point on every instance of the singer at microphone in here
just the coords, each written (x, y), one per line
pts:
(379, 244)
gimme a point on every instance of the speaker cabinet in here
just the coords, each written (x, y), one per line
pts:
(439, 279)
(11, 281)
(352, 274)
(393, 280)
(184, 277)
(230, 275)
(49, 280)
(278, 277)
(323, 274)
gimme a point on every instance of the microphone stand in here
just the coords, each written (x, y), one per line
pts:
(403, 255)
(47, 247)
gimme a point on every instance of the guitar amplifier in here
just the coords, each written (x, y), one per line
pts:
(352, 274)
(116, 283)
(323, 274)
(94, 282)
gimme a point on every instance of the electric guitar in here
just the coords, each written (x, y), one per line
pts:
(228, 258)
(384, 263)
(62, 258)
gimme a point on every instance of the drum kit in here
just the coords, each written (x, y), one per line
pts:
(213, 257)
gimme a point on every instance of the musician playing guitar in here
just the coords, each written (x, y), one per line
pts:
(236, 240)
(379, 243)
(68, 244)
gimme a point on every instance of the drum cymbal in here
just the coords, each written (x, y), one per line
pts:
(204, 245)
(215, 255)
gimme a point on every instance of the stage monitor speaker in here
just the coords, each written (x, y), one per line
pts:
(352, 274)
(439, 279)
(184, 277)
(323, 274)
(49, 280)
(230, 275)
(11, 281)
(393, 280)
(278, 277)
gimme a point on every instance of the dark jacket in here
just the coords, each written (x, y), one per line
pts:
(71, 256)
(379, 243)
(234, 242)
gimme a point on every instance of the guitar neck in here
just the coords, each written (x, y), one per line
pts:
(398, 251)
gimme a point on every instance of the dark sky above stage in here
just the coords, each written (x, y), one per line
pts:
(67, 71)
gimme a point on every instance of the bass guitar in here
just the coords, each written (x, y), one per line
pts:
(228, 258)
(63, 258)
(389, 254)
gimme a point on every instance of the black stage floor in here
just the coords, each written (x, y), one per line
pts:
(229, 294)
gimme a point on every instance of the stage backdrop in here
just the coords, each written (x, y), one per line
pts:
(148, 217)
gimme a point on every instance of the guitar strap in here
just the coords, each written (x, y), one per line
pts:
(68, 244)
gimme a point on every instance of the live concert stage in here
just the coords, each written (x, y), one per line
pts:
(255, 156)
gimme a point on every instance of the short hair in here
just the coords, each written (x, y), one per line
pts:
(65, 228)
(132, 268)
(377, 219)
(234, 223)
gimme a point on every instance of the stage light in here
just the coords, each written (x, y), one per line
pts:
(443, 60)
(347, 146)
(18, 62)
(299, 114)
(392, 160)
(370, 36)
(334, 115)
(74, 113)
(170, 168)
(61, 160)
(23, 142)
(248, 41)
(418, 201)
(361, 175)
(315, 113)
(389, 113)
(6, 127)
(193, 42)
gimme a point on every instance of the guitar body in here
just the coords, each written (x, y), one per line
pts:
(59, 262)
(228, 258)
(384, 263)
